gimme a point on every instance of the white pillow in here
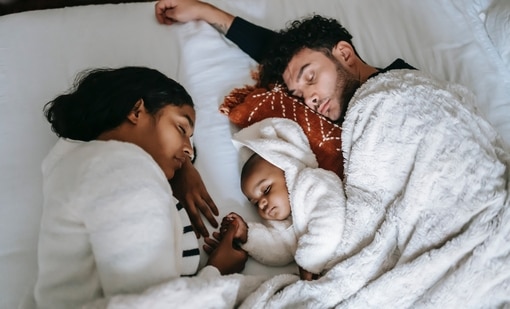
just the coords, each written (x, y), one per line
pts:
(497, 23)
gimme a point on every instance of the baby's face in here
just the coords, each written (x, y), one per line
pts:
(265, 187)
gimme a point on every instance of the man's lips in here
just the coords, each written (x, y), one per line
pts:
(323, 107)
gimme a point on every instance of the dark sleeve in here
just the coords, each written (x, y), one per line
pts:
(252, 39)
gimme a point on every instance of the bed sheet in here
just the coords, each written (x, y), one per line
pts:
(42, 51)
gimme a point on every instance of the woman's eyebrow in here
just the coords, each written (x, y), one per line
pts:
(190, 121)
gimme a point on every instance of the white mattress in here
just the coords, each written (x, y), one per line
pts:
(42, 51)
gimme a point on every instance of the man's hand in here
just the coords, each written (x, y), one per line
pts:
(190, 190)
(171, 11)
(223, 254)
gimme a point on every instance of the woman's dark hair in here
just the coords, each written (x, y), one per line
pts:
(101, 99)
(316, 33)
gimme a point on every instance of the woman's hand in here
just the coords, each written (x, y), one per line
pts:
(190, 190)
(223, 254)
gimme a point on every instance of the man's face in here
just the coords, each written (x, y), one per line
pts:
(324, 84)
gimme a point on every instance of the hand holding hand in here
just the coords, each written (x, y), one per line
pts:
(241, 235)
(223, 255)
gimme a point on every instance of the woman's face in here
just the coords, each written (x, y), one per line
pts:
(167, 136)
(265, 187)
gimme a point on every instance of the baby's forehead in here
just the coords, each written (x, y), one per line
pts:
(256, 165)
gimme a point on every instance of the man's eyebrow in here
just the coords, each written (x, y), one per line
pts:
(300, 73)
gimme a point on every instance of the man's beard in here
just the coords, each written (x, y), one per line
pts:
(347, 84)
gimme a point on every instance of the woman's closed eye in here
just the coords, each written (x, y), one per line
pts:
(184, 130)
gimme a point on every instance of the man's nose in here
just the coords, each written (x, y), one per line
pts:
(312, 101)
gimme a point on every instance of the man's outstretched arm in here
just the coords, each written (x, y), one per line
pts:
(252, 39)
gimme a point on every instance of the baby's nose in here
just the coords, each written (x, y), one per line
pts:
(262, 204)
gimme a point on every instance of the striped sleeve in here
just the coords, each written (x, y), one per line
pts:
(190, 251)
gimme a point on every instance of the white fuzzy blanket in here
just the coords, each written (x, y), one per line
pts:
(427, 220)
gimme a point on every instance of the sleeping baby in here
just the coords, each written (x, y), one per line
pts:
(302, 204)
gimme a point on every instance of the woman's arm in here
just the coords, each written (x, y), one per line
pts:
(252, 39)
(130, 215)
(190, 190)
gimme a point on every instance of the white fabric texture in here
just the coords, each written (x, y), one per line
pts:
(426, 226)
(207, 290)
(497, 23)
(109, 224)
(428, 213)
(42, 51)
(316, 198)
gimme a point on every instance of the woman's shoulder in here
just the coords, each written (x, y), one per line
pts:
(100, 158)
(118, 157)
(111, 149)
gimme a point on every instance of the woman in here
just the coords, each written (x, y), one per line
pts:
(110, 223)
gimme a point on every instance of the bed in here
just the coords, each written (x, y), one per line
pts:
(42, 51)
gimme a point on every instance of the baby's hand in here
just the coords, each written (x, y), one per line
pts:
(306, 275)
(241, 234)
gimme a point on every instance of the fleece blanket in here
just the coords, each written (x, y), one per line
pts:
(311, 234)
(427, 217)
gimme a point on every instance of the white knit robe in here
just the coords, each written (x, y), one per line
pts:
(109, 224)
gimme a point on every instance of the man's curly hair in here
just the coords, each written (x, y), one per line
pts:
(316, 33)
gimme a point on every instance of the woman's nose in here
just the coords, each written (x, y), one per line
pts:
(188, 148)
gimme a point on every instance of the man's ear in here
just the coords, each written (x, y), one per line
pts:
(134, 114)
(344, 52)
